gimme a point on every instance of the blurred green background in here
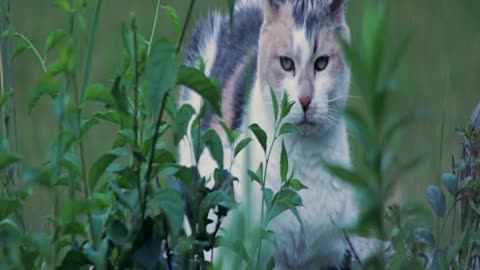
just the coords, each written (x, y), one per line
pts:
(444, 54)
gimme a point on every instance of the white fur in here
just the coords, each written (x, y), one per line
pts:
(208, 51)
(328, 203)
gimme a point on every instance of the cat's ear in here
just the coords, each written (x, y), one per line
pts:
(336, 10)
(270, 11)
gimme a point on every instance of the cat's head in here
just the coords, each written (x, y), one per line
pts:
(300, 52)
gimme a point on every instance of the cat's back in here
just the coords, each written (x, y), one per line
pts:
(228, 50)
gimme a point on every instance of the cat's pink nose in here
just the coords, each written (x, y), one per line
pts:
(305, 101)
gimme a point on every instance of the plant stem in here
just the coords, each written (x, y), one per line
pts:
(152, 154)
(184, 30)
(34, 49)
(267, 159)
(7, 88)
(154, 27)
(135, 109)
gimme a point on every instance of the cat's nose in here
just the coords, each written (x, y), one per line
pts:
(305, 102)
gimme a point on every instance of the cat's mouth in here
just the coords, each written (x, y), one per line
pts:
(306, 127)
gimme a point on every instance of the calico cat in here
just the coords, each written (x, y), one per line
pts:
(290, 46)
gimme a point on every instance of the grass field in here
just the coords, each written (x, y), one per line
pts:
(440, 74)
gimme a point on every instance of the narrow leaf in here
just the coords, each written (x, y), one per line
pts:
(241, 145)
(53, 39)
(260, 135)
(207, 88)
(283, 163)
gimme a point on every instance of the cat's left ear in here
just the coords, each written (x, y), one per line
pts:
(336, 10)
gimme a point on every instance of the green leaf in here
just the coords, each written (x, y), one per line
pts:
(97, 255)
(147, 256)
(236, 246)
(260, 135)
(120, 96)
(72, 163)
(283, 163)
(241, 145)
(74, 260)
(161, 73)
(53, 39)
(129, 199)
(87, 125)
(232, 134)
(63, 5)
(215, 146)
(97, 225)
(436, 198)
(9, 233)
(207, 88)
(217, 197)
(20, 47)
(47, 85)
(172, 206)
(99, 167)
(172, 15)
(258, 175)
(274, 104)
(450, 182)
(99, 93)
(41, 176)
(7, 159)
(295, 184)
(9, 32)
(163, 157)
(60, 146)
(8, 206)
(286, 106)
(117, 232)
(288, 128)
(182, 119)
(425, 236)
(439, 261)
(285, 199)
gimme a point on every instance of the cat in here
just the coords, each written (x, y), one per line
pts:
(291, 46)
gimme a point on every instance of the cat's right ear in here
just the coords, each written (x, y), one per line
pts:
(270, 11)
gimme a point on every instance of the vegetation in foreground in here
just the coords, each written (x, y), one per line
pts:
(127, 210)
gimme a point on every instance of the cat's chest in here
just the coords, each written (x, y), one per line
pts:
(324, 197)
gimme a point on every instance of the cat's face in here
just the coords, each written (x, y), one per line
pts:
(300, 53)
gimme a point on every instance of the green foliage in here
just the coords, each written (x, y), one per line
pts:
(135, 207)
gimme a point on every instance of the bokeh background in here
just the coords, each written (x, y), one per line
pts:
(439, 74)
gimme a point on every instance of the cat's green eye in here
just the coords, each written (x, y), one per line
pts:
(287, 63)
(321, 63)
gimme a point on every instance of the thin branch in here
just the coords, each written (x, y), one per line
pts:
(154, 27)
(184, 30)
(34, 49)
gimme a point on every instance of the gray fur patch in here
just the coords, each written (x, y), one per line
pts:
(311, 14)
(233, 43)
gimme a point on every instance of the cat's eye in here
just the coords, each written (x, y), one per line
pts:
(321, 63)
(287, 63)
